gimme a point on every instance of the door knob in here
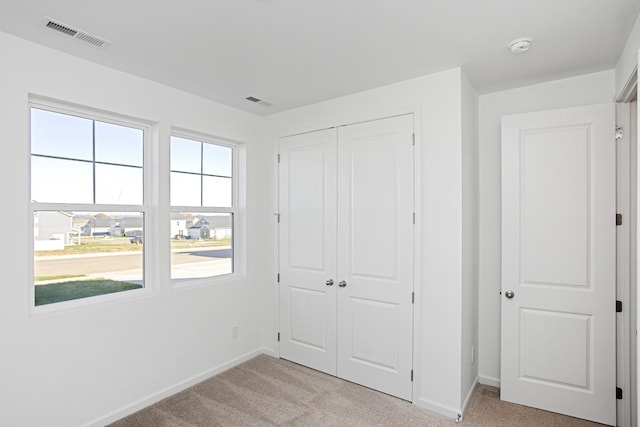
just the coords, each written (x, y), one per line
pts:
(342, 284)
(509, 294)
(329, 282)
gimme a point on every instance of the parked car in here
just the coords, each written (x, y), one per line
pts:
(137, 240)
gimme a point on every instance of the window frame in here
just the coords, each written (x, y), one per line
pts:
(89, 113)
(237, 246)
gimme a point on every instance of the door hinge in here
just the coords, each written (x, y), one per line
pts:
(618, 393)
(619, 133)
(278, 218)
(278, 157)
(413, 139)
(618, 219)
(412, 375)
(278, 278)
(413, 297)
(618, 306)
(278, 336)
(414, 218)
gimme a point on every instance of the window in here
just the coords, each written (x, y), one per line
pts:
(202, 208)
(87, 202)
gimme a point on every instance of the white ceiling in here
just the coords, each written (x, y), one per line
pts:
(293, 53)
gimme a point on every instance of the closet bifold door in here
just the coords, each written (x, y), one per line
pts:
(346, 238)
(307, 240)
(375, 254)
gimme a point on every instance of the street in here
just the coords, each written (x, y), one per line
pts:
(111, 264)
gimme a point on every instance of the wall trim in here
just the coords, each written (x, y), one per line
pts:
(467, 400)
(438, 408)
(487, 380)
(171, 390)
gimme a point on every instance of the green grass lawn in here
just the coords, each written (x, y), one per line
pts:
(96, 245)
(58, 292)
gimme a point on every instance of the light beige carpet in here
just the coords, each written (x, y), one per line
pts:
(271, 392)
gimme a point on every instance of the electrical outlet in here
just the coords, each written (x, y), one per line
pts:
(473, 353)
(235, 332)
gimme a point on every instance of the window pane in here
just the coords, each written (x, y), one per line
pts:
(118, 144)
(185, 189)
(186, 155)
(118, 185)
(99, 237)
(216, 160)
(201, 245)
(217, 192)
(61, 181)
(61, 135)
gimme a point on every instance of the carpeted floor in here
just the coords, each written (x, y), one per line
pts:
(271, 392)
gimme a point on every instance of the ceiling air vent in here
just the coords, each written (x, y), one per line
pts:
(258, 101)
(75, 33)
(63, 29)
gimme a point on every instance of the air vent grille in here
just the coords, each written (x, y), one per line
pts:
(91, 39)
(258, 101)
(75, 33)
(63, 29)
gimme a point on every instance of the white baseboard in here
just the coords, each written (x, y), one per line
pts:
(158, 396)
(467, 399)
(438, 408)
(486, 380)
(447, 411)
(268, 351)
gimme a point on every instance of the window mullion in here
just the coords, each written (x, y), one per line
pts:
(201, 173)
(93, 150)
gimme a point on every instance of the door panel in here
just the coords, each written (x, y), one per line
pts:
(378, 349)
(558, 258)
(375, 254)
(307, 249)
(570, 340)
(308, 317)
(554, 208)
(372, 201)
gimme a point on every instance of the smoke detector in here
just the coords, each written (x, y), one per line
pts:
(76, 33)
(520, 45)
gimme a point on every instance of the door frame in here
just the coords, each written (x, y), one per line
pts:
(626, 267)
(351, 119)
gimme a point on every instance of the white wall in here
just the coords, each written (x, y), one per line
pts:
(77, 367)
(470, 233)
(588, 89)
(437, 100)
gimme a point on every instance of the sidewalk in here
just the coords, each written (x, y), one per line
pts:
(101, 254)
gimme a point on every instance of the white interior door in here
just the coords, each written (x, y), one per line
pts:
(558, 261)
(308, 249)
(375, 254)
